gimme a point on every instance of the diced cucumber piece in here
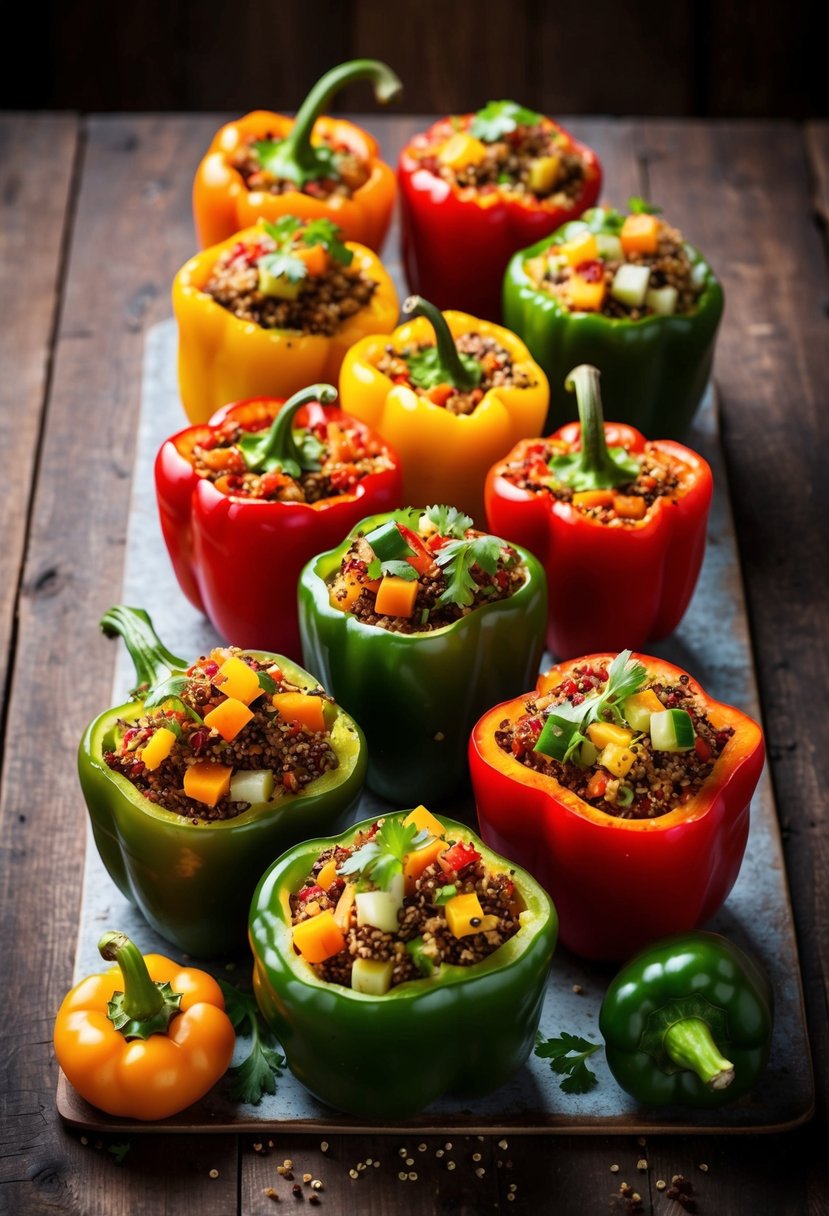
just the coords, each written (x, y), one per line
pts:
(662, 300)
(278, 285)
(378, 909)
(388, 542)
(699, 276)
(672, 731)
(553, 741)
(610, 247)
(371, 975)
(587, 754)
(630, 284)
(251, 785)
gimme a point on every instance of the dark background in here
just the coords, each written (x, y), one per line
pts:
(705, 58)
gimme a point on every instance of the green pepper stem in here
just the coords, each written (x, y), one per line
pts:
(594, 466)
(448, 358)
(690, 1045)
(144, 1007)
(297, 150)
(152, 660)
(276, 448)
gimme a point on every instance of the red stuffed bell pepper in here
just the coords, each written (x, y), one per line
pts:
(581, 782)
(476, 188)
(248, 498)
(618, 522)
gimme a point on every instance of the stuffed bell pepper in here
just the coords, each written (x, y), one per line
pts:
(400, 961)
(209, 772)
(474, 188)
(625, 790)
(628, 294)
(619, 523)
(270, 165)
(247, 499)
(450, 393)
(417, 623)
(273, 308)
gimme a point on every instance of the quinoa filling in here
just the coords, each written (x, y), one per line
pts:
(348, 174)
(507, 149)
(293, 276)
(659, 475)
(419, 576)
(625, 267)
(345, 456)
(207, 754)
(652, 757)
(498, 370)
(398, 903)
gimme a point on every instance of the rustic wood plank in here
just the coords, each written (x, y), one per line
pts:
(132, 230)
(37, 158)
(773, 382)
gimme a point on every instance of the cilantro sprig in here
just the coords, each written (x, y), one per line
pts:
(499, 118)
(449, 521)
(289, 233)
(170, 690)
(381, 858)
(568, 1055)
(257, 1073)
(377, 568)
(458, 560)
(565, 726)
(271, 156)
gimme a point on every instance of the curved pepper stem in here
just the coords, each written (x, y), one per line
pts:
(296, 159)
(154, 663)
(690, 1045)
(595, 466)
(443, 363)
(276, 450)
(144, 1007)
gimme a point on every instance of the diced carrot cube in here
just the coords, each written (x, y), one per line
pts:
(340, 447)
(158, 748)
(640, 234)
(630, 506)
(345, 592)
(299, 707)
(582, 248)
(236, 679)
(424, 820)
(315, 258)
(327, 874)
(417, 861)
(593, 498)
(460, 150)
(318, 938)
(396, 596)
(228, 718)
(207, 782)
(584, 295)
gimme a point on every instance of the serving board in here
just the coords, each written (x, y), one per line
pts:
(713, 643)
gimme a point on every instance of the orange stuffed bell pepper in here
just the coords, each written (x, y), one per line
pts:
(145, 1039)
(450, 393)
(272, 309)
(266, 164)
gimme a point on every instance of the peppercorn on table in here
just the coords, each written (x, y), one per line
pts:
(89, 272)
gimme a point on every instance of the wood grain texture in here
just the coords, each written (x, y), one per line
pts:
(37, 157)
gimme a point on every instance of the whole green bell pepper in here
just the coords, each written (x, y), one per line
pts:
(465, 1029)
(418, 695)
(654, 369)
(193, 879)
(688, 1022)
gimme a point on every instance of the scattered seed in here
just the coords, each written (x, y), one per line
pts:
(448, 1146)
(84, 1140)
(450, 1165)
(361, 1165)
(503, 1144)
(661, 1184)
(480, 1171)
(577, 988)
(704, 1167)
(323, 1146)
(369, 1161)
(353, 1174)
(214, 1173)
(476, 1156)
(257, 1148)
(641, 1141)
(513, 1186)
(288, 1163)
(614, 1169)
(413, 1176)
(439, 1152)
(376, 1165)
(270, 1193)
(410, 1161)
(641, 1164)
(402, 1152)
(511, 1197)
(316, 1184)
(402, 1175)
(307, 1177)
(421, 1148)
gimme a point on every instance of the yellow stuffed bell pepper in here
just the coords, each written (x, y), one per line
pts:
(450, 394)
(273, 309)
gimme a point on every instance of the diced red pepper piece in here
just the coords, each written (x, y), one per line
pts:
(458, 856)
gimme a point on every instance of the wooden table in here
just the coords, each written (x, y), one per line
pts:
(95, 221)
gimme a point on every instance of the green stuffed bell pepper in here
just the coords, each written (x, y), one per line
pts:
(627, 294)
(417, 624)
(688, 1022)
(378, 1015)
(211, 771)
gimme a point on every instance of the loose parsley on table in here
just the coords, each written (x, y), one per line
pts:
(257, 1073)
(568, 1055)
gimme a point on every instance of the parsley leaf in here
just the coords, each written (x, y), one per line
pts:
(640, 206)
(569, 722)
(381, 858)
(498, 118)
(119, 1151)
(272, 159)
(399, 570)
(257, 1073)
(426, 369)
(326, 233)
(283, 265)
(568, 1055)
(458, 559)
(282, 230)
(170, 690)
(267, 683)
(449, 521)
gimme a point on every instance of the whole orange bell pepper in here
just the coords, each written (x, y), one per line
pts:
(299, 150)
(445, 455)
(145, 1039)
(222, 358)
